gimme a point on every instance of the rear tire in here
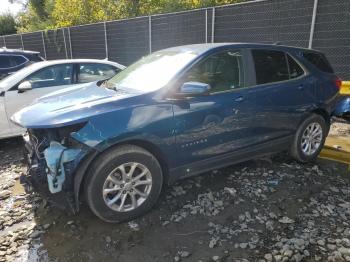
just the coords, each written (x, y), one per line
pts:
(123, 183)
(309, 139)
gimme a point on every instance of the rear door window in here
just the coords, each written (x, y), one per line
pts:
(89, 72)
(318, 60)
(270, 66)
(10, 61)
(5, 61)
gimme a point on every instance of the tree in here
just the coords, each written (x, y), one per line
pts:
(37, 15)
(7, 24)
(51, 14)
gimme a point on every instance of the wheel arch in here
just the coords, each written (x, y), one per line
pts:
(80, 174)
(322, 112)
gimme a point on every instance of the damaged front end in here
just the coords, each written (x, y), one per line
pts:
(53, 157)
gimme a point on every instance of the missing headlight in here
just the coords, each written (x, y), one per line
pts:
(65, 132)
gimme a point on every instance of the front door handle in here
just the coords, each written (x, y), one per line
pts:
(301, 88)
(239, 99)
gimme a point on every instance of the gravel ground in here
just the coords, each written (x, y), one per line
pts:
(271, 209)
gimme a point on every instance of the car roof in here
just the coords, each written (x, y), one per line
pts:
(42, 64)
(5, 50)
(203, 48)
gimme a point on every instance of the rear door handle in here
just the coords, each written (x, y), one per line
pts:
(300, 88)
(239, 99)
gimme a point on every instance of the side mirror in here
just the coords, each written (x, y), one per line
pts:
(191, 89)
(24, 86)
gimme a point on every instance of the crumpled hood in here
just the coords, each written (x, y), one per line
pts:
(70, 106)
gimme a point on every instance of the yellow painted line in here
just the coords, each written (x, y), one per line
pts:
(345, 88)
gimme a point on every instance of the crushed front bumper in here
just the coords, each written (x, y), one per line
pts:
(51, 173)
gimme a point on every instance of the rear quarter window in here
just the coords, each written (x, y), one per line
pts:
(18, 60)
(319, 60)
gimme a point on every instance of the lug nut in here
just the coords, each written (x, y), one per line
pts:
(124, 192)
(122, 185)
(133, 183)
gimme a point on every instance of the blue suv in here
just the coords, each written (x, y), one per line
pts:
(174, 114)
(12, 60)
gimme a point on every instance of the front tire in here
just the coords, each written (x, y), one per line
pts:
(309, 139)
(123, 183)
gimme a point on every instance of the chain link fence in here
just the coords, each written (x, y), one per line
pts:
(320, 24)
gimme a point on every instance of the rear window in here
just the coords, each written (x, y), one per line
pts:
(270, 66)
(318, 60)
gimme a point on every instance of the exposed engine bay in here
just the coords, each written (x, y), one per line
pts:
(53, 156)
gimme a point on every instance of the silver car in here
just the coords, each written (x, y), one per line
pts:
(23, 87)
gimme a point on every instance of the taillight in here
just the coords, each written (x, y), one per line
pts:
(338, 83)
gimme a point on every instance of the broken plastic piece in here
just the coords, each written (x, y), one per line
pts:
(56, 155)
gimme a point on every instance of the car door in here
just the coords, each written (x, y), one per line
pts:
(212, 125)
(43, 81)
(5, 129)
(281, 94)
(90, 72)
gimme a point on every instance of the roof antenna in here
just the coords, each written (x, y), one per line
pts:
(277, 43)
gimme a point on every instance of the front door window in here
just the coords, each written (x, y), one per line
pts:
(222, 71)
(56, 75)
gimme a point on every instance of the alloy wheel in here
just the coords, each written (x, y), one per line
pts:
(127, 187)
(311, 138)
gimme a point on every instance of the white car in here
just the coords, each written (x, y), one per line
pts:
(23, 87)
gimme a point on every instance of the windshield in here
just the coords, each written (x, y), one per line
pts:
(152, 72)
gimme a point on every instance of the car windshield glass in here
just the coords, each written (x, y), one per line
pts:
(152, 72)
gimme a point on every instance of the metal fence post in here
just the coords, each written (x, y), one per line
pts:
(213, 25)
(206, 25)
(22, 41)
(42, 36)
(106, 43)
(4, 41)
(313, 21)
(65, 44)
(150, 33)
(70, 44)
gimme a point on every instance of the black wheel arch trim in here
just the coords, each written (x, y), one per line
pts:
(80, 174)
